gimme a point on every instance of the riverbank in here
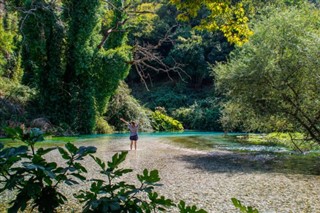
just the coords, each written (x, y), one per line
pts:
(209, 179)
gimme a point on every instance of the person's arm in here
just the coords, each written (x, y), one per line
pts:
(126, 122)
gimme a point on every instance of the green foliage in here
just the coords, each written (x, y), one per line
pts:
(196, 51)
(275, 75)
(293, 140)
(108, 75)
(34, 180)
(162, 122)
(193, 49)
(242, 208)
(167, 95)
(189, 209)
(15, 93)
(5, 47)
(102, 126)
(123, 105)
(170, 95)
(28, 137)
(184, 45)
(8, 37)
(143, 23)
(65, 57)
(118, 37)
(190, 51)
(112, 196)
(228, 17)
(234, 118)
(14, 100)
(191, 107)
(203, 114)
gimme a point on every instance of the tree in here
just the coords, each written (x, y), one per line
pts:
(275, 76)
(10, 59)
(123, 105)
(65, 57)
(226, 16)
(190, 52)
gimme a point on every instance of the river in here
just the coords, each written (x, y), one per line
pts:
(207, 169)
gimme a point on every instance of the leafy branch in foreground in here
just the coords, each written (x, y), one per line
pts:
(35, 181)
(242, 208)
(112, 196)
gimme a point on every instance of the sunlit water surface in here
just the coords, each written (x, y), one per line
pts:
(270, 158)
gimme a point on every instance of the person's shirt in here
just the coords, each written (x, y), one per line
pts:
(133, 129)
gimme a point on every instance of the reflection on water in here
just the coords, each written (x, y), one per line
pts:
(248, 157)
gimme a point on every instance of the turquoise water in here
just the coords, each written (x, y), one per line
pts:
(188, 139)
(250, 158)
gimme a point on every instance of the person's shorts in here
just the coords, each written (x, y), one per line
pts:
(134, 137)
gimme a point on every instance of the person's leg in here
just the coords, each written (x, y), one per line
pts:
(131, 144)
(135, 145)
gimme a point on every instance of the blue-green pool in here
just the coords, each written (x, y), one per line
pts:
(266, 157)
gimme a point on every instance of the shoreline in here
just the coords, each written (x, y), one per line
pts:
(207, 179)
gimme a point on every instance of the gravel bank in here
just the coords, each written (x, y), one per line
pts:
(210, 179)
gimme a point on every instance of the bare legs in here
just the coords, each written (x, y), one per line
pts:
(133, 143)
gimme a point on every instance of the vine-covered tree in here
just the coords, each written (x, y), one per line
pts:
(9, 47)
(67, 59)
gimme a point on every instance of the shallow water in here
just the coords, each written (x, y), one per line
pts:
(208, 169)
(262, 158)
(188, 139)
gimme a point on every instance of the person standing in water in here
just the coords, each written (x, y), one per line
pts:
(133, 127)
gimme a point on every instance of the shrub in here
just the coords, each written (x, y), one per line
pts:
(171, 95)
(162, 122)
(123, 105)
(202, 115)
(112, 196)
(102, 126)
(13, 103)
(34, 179)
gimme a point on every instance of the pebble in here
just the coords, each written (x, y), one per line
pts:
(198, 178)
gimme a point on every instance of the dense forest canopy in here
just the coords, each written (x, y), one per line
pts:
(74, 77)
(72, 65)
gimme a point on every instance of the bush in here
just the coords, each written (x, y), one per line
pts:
(14, 99)
(34, 179)
(123, 105)
(202, 115)
(170, 95)
(102, 126)
(162, 122)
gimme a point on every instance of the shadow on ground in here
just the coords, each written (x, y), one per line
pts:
(231, 162)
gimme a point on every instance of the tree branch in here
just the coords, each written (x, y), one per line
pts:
(147, 57)
(111, 30)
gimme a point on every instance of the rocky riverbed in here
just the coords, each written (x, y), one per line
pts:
(208, 179)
